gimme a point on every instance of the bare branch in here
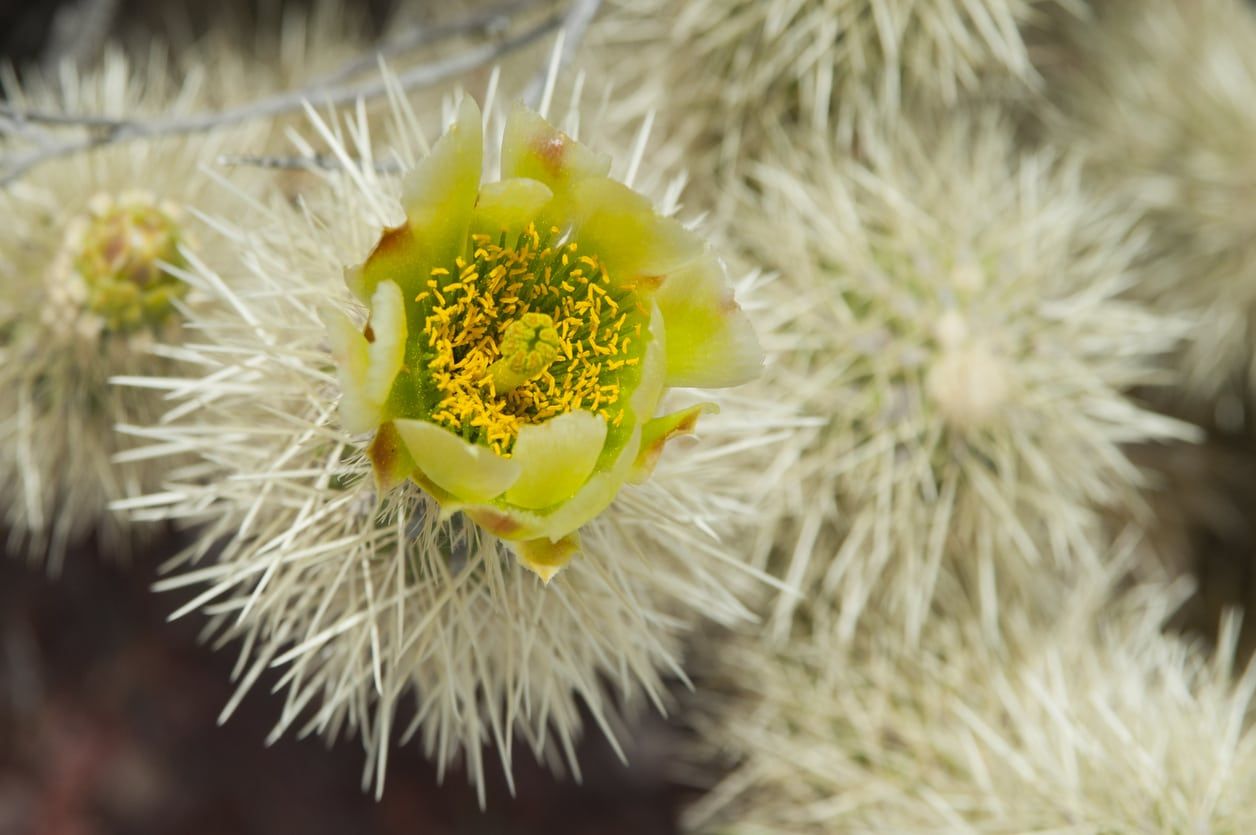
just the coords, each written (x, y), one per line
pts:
(23, 117)
(105, 130)
(316, 162)
(13, 127)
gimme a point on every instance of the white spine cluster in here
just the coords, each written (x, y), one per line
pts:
(736, 76)
(1097, 721)
(386, 619)
(58, 466)
(961, 332)
(1161, 98)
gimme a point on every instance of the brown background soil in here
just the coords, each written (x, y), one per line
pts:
(108, 725)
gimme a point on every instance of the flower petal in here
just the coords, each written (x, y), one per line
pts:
(544, 557)
(449, 503)
(533, 148)
(517, 524)
(555, 458)
(349, 348)
(595, 496)
(649, 391)
(506, 523)
(438, 196)
(508, 206)
(397, 256)
(387, 333)
(635, 245)
(390, 460)
(710, 340)
(658, 431)
(469, 472)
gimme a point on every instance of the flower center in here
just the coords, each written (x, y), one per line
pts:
(119, 253)
(529, 346)
(523, 331)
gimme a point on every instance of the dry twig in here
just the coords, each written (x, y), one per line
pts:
(105, 130)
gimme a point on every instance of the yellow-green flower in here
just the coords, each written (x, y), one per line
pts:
(118, 250)
(522, 334)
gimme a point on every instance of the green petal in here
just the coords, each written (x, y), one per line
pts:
(555, 458)
(390, 460)
(439, 194)
(519, 525)
(710, 340)
(448, 502)
(510, 524)
(595, 496)
(396, 257)
(658, 431)
(509, 206)
(533, 148)
(649, 391)
(544, 557)
(468, 471)
(387, 337)
(636, 245)
(349, 348)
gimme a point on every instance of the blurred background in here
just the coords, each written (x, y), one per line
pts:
(108, 725)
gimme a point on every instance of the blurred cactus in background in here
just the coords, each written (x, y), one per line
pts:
(92, 249)
(1158, 99)
(1094, 719)
(963, 331)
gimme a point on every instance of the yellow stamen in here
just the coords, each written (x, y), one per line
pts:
(520, 333)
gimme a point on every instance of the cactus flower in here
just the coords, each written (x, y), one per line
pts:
(522, 334)
(118, 249)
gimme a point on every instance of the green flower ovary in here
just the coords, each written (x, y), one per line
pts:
(518, 333)
(121, 259)
(529, 345)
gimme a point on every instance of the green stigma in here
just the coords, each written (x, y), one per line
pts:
(122, 258)
(529, 345)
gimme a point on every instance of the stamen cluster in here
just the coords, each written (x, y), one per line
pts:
(522, 332)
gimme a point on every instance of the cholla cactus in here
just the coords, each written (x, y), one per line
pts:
(522, 333)
(90, 251)
(1097, 721)
(1162, 100)
(962, 334)
(98, 222)
(736, 70)
(368, 484)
